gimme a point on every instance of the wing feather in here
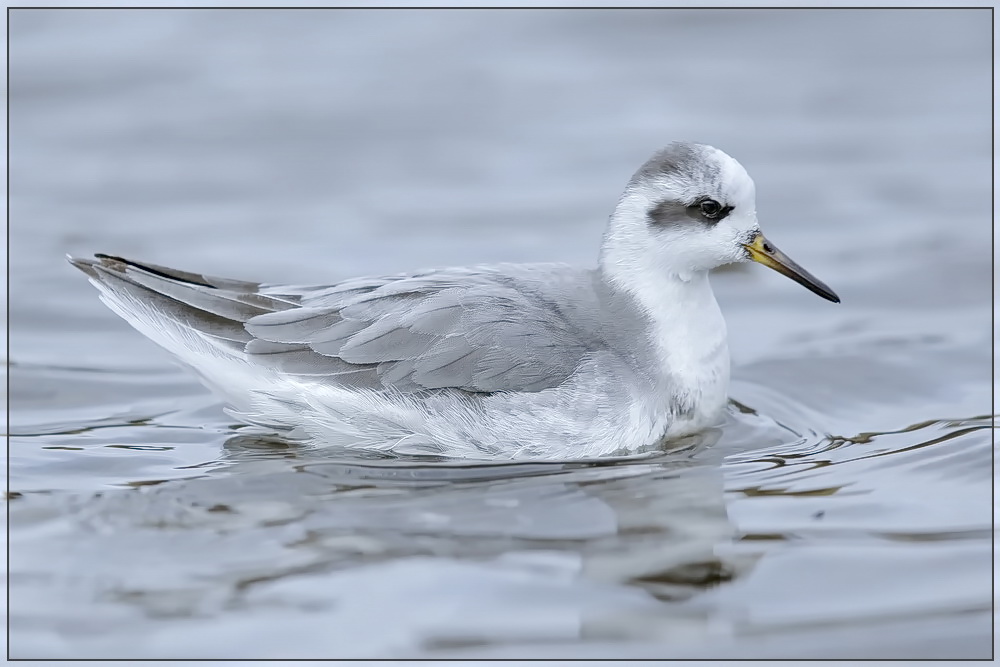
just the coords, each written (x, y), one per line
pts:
(298, 325)
(464, 329)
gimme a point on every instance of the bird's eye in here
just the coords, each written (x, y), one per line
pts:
(710, 208)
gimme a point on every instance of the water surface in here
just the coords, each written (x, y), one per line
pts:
(842, 511)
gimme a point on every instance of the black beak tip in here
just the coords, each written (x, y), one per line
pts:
(822, 290)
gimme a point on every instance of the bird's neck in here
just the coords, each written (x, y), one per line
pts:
(668, 295)
(684, 327)
(682, 310)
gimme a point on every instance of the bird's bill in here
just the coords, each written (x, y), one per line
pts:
(763, 251)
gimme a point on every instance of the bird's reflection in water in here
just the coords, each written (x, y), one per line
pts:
(652, 520)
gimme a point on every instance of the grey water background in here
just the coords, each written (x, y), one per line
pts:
(842, 511)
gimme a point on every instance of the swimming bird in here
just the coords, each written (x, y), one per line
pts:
(493, 361)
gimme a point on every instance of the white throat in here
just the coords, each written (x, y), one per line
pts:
(687, 322)
(688, 334)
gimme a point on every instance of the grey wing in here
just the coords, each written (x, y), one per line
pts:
(481, 329)
(475, 330)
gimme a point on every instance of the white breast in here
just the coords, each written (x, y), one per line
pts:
(690, 336)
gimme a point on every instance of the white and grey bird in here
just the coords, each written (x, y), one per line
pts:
(498, 361)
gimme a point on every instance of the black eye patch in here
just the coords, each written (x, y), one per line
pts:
(705, 210)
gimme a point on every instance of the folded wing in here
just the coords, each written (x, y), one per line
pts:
(475, 330)
(478, 330)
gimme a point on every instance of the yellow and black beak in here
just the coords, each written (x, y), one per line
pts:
(761, 250)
